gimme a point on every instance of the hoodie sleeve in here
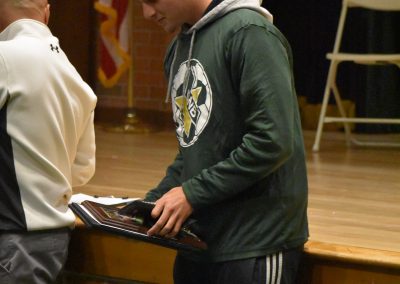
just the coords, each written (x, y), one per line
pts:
(260, 66)
(172, 179)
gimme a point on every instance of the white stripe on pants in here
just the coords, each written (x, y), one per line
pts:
(273, 267)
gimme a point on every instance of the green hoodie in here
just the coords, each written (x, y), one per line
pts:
(241, 159)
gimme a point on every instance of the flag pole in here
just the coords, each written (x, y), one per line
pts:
(132, 123)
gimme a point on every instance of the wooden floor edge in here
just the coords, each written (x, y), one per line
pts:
(357, 255)
(338, 252)
(343, 253)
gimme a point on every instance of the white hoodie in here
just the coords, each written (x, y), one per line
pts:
(47, 141)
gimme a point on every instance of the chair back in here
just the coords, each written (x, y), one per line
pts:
(383, 5)
(368, 58)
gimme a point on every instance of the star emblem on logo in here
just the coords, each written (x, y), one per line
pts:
(191, 103)
(189, 108)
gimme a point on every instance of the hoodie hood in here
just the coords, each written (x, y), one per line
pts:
(217, 12)
(227, 6)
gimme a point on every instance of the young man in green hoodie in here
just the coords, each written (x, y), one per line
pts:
(240, 169)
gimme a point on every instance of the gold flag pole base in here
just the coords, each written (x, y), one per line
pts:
(132, 124)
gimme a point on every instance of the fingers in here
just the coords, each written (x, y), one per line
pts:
(175, 230)
(168, 225)
(155, 213)
(171, 209)
(158, 208)
(170, 229)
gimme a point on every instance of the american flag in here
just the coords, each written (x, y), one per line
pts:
(114, 40)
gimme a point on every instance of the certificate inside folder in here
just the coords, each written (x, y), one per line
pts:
(133, 220)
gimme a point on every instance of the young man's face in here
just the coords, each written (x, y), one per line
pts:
(169, 14)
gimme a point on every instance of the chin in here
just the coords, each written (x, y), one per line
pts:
(170, 28)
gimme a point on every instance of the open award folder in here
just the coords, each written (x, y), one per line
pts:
(133, 220)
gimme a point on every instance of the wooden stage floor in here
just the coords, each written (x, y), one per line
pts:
(354, 193)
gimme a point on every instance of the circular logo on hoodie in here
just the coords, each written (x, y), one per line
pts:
(191, 102)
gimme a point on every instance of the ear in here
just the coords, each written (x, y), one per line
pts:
(47, 14)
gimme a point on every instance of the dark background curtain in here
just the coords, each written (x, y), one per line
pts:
(310, 27)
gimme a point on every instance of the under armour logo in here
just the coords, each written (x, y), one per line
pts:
(54, 48)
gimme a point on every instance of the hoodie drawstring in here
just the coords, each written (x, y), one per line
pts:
(171, 69)
(187, 72)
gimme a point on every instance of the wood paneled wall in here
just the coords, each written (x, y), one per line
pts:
(73, 22)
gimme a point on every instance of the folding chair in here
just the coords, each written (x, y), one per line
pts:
(336, 57)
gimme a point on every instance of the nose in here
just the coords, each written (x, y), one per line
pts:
(148, 11)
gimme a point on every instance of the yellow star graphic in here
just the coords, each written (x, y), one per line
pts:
(182, 103)
(196, 93)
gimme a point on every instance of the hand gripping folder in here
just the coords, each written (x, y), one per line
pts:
(133, 220)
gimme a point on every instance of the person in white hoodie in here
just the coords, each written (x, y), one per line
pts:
(47, 144)
(240, 168)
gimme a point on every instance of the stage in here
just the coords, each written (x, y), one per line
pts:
(354, 211)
